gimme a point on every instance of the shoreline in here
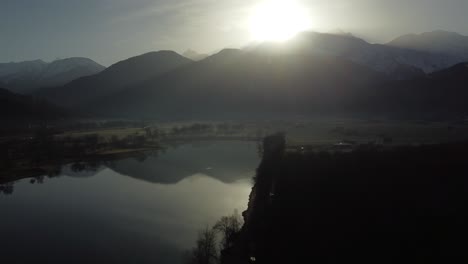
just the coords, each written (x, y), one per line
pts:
(21, 170)
(48, 167)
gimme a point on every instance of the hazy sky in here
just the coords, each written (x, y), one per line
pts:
(111, 30)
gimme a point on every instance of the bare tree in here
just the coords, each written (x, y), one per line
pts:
(205, 251)
(212, 241)
(228, 227)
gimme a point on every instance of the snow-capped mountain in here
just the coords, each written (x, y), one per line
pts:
(392, 60)
(27, 76)
(114, 78)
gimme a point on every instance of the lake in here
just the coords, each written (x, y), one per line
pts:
(135, 210)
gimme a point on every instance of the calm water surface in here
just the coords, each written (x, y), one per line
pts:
(128, 211)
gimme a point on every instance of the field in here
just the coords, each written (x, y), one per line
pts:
(105, 133)
(315, 132)
(361, 131)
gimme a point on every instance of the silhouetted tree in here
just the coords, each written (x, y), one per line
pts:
(205, 251)
(228, 227)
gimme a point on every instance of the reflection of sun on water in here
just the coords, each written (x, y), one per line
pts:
(278, 20)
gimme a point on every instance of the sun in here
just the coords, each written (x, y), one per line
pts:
(278, 20)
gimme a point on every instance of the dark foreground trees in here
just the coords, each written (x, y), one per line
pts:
(211, 242)
(400, 205)
(228, 227)
(205, 251)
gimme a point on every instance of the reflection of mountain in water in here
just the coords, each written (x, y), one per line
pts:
(225, 161)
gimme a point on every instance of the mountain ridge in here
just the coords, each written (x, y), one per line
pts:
(313, 72)
(380, 57)
(439, 41)
(114, 78)
(241, 83)
(230, 79)
(27, 76)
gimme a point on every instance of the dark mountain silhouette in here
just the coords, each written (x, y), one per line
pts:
(440, 93)
(115, 78)
(26, 77)
(313, 73)
(440, 42)
(18, 107)
(236, 82)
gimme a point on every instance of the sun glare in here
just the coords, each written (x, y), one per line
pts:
(278, 20)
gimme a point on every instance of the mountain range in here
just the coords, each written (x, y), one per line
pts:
(113, 79)
(236, 82)
(389, 59)
(27, 76)
(312, 73)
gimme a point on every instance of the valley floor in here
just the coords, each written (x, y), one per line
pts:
(40, 151)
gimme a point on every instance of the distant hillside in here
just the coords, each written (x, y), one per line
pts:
(235, 82)
(26, 77)
(440, 42)
(113, 79)
(314, 73)
(441, 93)
(21, 107)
